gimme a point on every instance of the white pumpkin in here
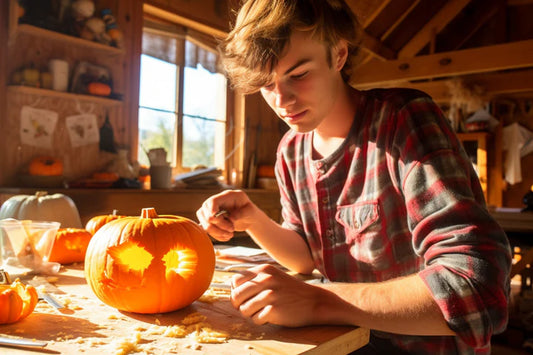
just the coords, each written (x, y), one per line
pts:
(42, 207)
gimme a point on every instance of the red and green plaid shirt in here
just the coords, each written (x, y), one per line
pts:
(399, 197)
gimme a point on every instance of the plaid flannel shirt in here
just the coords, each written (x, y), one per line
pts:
(398, 197)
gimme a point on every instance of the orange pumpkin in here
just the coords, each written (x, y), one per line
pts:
(95, 223)
(99, 89)
(150, 264)
(105, 176)
(45, 166)
(70, 245)
(17, 301)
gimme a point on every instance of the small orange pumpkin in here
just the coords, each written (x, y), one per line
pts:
(95, 223)
(17, 301)
(105, 176)
(98, 89)
(150, 264)
(70, 245)
(45, 166)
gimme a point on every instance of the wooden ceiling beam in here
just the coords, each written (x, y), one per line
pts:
(375, 14)
(435, 25)
(494, 84)
(469, 26)
(399, 20)
(376, 48)
(467, 61)
(519, 2)
(182, 20)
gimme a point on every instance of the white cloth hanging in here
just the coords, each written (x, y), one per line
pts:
(518, 142)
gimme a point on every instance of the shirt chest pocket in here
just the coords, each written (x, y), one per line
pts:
(365, 235)
(358, 219)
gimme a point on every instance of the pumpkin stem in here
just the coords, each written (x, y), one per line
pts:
(148, 212)
(41, 193)
(115, 212)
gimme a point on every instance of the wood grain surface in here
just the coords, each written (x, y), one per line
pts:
(87, 326)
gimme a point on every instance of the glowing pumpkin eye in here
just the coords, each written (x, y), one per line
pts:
(183, 262)
(131, 256)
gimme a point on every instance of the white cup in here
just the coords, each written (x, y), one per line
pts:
(59, 70)
(160, 177)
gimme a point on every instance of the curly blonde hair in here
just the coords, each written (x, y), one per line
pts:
(263, 28)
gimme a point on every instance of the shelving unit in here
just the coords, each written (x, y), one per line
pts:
(30, 45)
(28, 90)
(47, 35)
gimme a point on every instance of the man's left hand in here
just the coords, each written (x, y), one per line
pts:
(269, 295)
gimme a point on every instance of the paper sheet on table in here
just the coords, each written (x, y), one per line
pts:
(246, 254)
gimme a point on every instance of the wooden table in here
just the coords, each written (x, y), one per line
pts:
(515, 222)
(88, 326)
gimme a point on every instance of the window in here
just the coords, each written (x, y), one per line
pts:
(190, 124)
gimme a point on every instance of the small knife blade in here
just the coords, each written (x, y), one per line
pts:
(50, 299)
(12, 341)
(42, 287)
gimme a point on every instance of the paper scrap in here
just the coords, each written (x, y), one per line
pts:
(82, 129)
(37, 126)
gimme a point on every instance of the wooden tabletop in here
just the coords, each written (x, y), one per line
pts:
(513, 220)
(88, 326)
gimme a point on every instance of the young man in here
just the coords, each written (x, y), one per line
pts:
(376, 193)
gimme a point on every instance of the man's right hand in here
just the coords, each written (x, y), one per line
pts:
(238, 216)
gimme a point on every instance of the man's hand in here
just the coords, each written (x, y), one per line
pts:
(239, 214)
(269, 295)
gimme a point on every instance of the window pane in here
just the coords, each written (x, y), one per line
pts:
(204, 108)
(158, 84)
(156, 130)
(203, 142)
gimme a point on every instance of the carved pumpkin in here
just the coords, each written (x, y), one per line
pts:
(70, 245)
(45, 166)
(95, 223)
(149, 264)
(17, 301)
(42, 207)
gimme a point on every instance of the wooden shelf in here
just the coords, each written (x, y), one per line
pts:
(472, 136)
(58, 94)
(24, 29)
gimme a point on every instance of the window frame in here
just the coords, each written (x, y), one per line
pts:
(234, 126)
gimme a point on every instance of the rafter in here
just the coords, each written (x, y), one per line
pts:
(375, 14)
(376, 48)
(470, 25)
(519, 2)
(399, 20)
(494, 84)
(435, 25)
(175, 18)
(468, 61)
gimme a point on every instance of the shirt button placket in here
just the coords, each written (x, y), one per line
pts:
(320, 167)
(330, 235)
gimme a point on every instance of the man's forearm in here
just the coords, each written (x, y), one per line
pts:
(403, 306)
(286, 246)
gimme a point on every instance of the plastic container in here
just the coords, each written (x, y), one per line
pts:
(25, 246)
